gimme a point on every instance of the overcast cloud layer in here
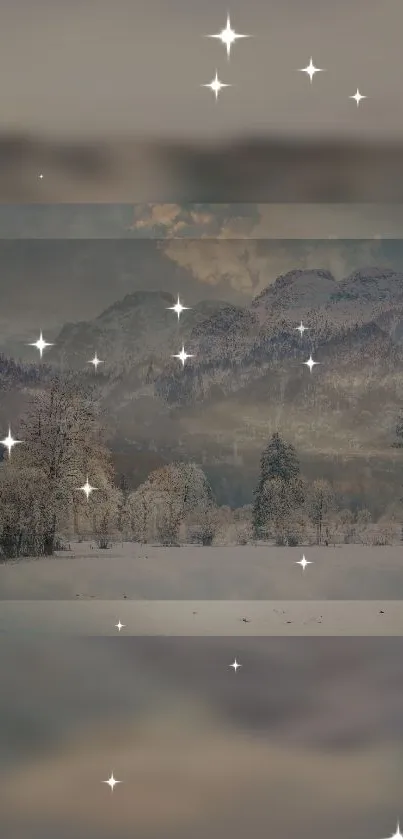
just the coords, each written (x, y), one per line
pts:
(94, 68)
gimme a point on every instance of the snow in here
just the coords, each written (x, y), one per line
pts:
(191, 590)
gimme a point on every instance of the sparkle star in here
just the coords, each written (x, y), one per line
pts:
(40, 176)
(178, 308)
(9, 442)
(182, 355)
(311, 363)
(87, 488)
(216, 85)
(228, 37)
(235, 665)
(397, 835)
(40, 344)
(303, 563)
(301, 329)
(120, 626)
(357, 96)
(95, 361)
(111, 782)
(311, 70)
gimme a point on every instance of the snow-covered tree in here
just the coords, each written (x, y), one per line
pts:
(104, 513)
(202, 522)
(159, 505)
(22, 506)
(63, 445)
(320, 504)
(279, 500)
(279, 484)
(122, 504)
(141, 513)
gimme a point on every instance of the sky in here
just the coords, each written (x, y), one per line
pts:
(89, 68)
(46, 283)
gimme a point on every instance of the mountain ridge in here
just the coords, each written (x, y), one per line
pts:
(247, 376)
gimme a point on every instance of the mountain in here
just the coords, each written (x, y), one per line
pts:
(365, 296)
(135, 331)
(296, 292)
(244, 353)
(247, 378)
(353, 320)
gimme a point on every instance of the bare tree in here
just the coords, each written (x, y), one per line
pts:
(124, 495)
(320, 502)
(139, 513)
(345, 524)
(105, 513)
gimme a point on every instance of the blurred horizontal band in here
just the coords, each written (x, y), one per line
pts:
(201, 221)
(35, 169)
(186, 618)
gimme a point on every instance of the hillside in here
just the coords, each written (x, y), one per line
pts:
(243, 354)
(247, 377)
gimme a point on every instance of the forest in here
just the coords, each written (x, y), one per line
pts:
(63, 448)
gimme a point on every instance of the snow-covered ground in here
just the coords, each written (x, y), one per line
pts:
(348, 572)
(191, 590)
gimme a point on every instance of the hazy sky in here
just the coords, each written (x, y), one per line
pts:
(89, 66)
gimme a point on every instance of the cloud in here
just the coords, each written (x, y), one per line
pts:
(269, 221)
(213, 262)
(152, 216)
(217, 221)
(249, 266)
(171, 220)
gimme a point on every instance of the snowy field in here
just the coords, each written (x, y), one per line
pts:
(191, 590)
(344, 572)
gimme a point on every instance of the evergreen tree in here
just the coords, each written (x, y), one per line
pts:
(278, 462)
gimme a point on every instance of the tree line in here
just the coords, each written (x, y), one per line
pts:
(64, 443)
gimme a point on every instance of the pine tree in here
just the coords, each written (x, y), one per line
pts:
(278, 462)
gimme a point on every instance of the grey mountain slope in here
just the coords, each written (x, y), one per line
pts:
(136, 330)
(247, 375)
(137, 336)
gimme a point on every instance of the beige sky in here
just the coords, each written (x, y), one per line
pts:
(92, 67)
